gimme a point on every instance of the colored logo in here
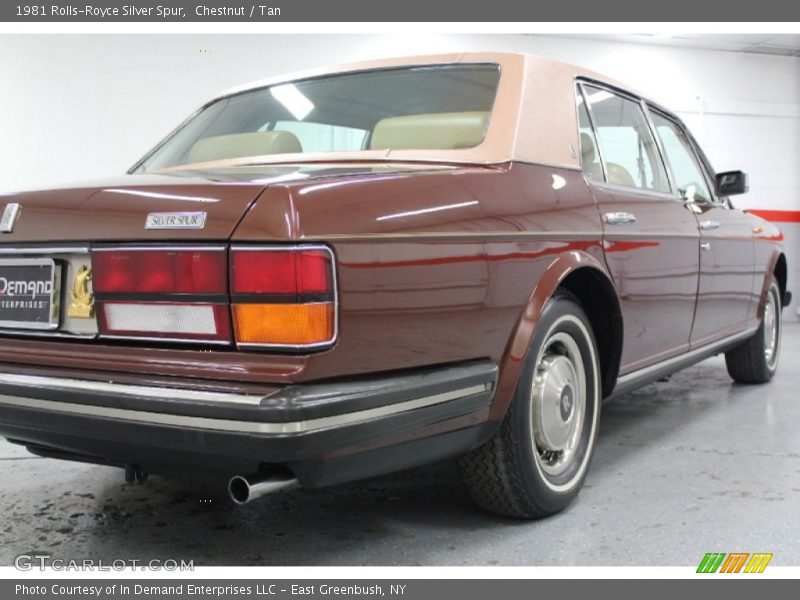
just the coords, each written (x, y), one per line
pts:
(735, 562)
(82, 305)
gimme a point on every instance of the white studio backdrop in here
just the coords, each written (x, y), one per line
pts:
(85, 106)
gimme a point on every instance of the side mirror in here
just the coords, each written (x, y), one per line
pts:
(731, 183)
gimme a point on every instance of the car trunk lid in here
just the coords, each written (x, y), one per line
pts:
(118, 210)
(173, 203)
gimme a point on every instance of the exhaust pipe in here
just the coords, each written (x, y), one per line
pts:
(244, 489)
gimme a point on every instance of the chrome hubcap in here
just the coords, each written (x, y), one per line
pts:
(771, 325)
(559, 403)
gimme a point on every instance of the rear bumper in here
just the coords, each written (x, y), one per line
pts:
(325, 432)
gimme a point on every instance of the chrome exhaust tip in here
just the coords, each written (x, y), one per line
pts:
(242, 489)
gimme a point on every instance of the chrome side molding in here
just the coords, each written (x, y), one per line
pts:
(631, 381)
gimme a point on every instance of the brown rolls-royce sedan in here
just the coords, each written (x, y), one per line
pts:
(362, 269)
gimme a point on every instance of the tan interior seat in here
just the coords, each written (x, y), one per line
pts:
(220, 147)
(439, 131)
(591, 165)
(617, 174)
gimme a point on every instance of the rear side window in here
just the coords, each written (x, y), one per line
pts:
(590, 158)
(626, 142)
(686, 171)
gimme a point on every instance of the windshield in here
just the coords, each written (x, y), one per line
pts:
(424, 108)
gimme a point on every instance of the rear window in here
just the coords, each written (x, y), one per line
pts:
(440, 107)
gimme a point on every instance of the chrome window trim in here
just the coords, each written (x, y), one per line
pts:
(662, 153)
(698, 156)
(541, 163)
(266, 428)
(638, 191)
(644, 106)
(593, 125)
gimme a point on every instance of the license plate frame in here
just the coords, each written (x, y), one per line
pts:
(50, 315)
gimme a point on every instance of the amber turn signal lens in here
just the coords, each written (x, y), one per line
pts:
(284, 324)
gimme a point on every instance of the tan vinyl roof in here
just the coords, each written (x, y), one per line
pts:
(533, 118)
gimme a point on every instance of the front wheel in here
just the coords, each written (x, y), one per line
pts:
(536, 463)
(756, 360)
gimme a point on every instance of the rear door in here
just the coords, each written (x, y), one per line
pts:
(727, 259)
(651, 238)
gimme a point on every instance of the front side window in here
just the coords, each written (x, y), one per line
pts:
(685, 170)
(628, 148)
(421, 108)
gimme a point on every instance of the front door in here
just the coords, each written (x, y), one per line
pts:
(727, 252)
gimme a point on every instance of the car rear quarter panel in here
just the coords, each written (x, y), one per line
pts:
(437, 267)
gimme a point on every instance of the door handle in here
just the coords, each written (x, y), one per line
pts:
(705, 246)
(706, 225)
(619, 218)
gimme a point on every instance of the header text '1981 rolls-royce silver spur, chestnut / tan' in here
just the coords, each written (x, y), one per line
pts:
(363, 269)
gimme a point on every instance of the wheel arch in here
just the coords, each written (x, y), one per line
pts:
(584, 276)
(781, 274)
(778, 268)
(598, 297)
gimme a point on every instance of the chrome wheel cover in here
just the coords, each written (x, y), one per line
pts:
(558, 395)
(771, 327)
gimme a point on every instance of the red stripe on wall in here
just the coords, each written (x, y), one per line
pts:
(777, 216)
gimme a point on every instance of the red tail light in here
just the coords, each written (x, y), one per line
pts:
(280, 297)
(281, 272)
(283, 298)
(172, 294)
(160, 271)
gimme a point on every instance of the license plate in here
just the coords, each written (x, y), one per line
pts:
(29, 293)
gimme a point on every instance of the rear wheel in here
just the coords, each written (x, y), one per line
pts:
(536, 463)
(756, 360)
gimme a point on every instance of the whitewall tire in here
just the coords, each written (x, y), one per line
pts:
(537, 461)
